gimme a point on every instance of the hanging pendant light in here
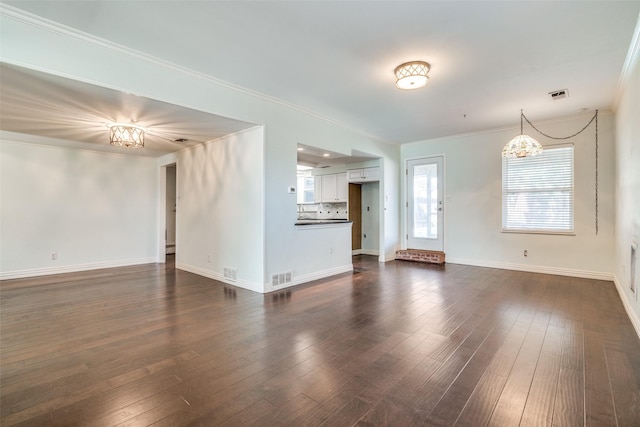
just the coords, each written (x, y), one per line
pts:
(521, 145)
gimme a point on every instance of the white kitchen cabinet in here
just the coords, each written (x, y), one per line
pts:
(342, 187)
(333, 188)
(364, 174)
(317, 189)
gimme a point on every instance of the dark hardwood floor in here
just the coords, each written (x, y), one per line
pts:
(392, 344)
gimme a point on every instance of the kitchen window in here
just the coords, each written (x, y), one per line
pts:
(305, 184)
(538, 192)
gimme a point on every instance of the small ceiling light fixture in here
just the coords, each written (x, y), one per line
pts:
(522, 145)
(126, 135)
(412, 75)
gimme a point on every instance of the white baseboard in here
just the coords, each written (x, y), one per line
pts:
(586, 274)
(316, 275)
(388, 257)
(631, 314)
(365, 252)
(19, 274)
(252, 286)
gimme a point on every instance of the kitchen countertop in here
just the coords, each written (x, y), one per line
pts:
(321, 221)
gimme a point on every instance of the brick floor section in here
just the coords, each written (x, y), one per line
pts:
(431, 257)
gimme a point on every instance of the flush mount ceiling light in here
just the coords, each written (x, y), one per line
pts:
(412, 75)
(126, 135)
(522, 145)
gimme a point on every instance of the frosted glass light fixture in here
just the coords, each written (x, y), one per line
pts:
(521, 145)
(412, 75)
(126, 135)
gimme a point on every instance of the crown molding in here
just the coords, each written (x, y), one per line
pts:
(633, 56)
(589, 115)
(58, 28)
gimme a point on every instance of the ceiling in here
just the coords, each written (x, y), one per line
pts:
(336, 59)
(75, 114)
(319, 158)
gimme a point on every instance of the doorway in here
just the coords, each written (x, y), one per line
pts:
(170, 210)
(364, 212)
(355, 216)
(425, 207)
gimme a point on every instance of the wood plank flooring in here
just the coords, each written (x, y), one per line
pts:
(396, 344)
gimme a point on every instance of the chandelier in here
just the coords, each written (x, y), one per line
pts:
(126, 135)
(522, 145)
(412, 75)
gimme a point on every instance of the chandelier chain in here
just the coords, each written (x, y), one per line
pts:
(594, 118)
(561, 137)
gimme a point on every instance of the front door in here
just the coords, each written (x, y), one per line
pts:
(425, 204)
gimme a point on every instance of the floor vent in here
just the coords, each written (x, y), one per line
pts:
(230, 273)
(281, 278)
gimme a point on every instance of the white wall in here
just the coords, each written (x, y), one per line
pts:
(92, 209)
(220, 209)
(473, 197)
(627, 185)
(42, 46)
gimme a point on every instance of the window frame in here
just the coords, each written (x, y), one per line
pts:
(303, 174)
(505, 191)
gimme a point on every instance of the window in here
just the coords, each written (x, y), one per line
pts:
(537, 192)
(305, 184)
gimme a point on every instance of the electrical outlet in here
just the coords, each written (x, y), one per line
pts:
(54, 256)
(330, 250)
(209, 258)
(526, 253)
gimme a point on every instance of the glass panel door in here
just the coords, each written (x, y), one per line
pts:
(425, 204)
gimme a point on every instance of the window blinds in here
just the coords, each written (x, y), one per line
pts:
(537, 192)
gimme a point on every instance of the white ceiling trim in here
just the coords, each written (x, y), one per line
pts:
(55, 27)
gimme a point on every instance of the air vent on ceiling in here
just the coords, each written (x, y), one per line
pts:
(559, 94)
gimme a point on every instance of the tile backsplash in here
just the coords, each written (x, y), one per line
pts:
(323, 211)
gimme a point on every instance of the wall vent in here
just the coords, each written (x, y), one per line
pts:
(230, 273)
(559, 94)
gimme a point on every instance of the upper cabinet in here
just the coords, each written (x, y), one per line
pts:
(364, 175)
(342, 187)
(332, 188)
(317, 189)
